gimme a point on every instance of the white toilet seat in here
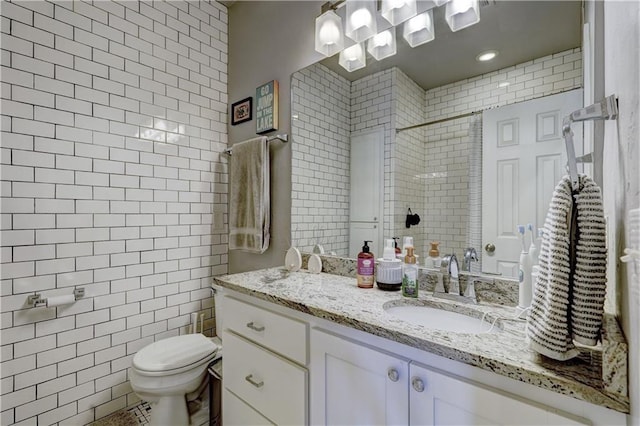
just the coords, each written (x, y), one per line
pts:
(174, 355)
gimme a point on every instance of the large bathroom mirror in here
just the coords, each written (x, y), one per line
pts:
(366, 168)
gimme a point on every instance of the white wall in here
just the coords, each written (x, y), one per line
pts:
(269, 40)
(621, 189)
(113, 120)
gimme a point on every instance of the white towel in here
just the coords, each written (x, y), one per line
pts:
(249, 203)
(568, 296)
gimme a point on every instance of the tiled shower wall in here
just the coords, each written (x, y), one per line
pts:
(320, 160)
(113, 121)
(446, 164)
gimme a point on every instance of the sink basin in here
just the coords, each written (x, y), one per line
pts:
(440, 319)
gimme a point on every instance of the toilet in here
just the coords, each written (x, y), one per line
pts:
(171, 371)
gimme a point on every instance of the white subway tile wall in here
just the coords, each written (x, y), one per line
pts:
(320, 160)
(113, 179)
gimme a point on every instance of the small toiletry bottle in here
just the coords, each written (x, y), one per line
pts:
(410, 275)
(366, 266)
(533, 248)
(434, 256)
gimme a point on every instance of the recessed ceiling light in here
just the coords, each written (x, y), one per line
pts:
(503, 84)
(486, 56)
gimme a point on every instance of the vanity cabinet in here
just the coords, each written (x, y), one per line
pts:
(264, 369)
(286, 367)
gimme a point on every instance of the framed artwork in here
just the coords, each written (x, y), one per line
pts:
(267, 107)
(241, 111)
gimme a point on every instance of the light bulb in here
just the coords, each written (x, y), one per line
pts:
(360, 18)
(396, 4)
(353, 53)
(382, 39)
(418, 22)
(329, 33)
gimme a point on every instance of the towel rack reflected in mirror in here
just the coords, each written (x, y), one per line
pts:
(283, 137)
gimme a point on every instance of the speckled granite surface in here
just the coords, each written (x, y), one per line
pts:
(338, 299)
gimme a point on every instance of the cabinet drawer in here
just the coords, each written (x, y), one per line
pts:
(237, 413)
(283, 335)
(275, 387)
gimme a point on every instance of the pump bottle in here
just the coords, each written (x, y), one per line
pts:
(366, 266)
(410, 275)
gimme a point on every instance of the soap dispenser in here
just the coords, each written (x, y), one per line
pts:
(366, 266)
(389, 274)
(434, 256)
(410, 275)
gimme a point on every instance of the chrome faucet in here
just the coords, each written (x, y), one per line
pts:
(449, 268)
(469, 256)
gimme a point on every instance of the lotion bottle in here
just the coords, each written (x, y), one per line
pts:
(525, 292)
(366, 266)
(410, 275)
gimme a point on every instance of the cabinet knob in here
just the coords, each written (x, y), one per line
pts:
(417, 384)
(249, 379)
(393, 374)
(252, 326)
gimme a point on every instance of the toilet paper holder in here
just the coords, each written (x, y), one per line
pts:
(36, 300)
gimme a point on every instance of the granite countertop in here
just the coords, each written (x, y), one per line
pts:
(338, 299)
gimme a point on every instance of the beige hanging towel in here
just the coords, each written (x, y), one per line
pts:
(249, 203)
(568, 296)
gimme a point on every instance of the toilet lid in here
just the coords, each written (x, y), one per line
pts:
(174, 352)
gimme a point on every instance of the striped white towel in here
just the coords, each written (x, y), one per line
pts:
(568, 296)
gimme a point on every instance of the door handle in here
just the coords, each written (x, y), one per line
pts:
(417, 384)
(490, 248)
(393, 374)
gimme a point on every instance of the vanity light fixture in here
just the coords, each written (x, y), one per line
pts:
(361, 20)
(461, 14)
(383, 44)
(487, 56)
(353, 58)
(329, 35)
(398, 11)
(419, 29)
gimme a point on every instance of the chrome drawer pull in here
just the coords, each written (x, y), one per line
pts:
(254, 328)
(249, 379)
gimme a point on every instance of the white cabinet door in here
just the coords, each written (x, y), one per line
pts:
(438, 399)
(352, 384)
(237, 413)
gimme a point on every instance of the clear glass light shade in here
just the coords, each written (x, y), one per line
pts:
(382, 45)
(329, 36)
(398, 11)
(353, 58)
(361, 20)
(461, 14)
(419, 29)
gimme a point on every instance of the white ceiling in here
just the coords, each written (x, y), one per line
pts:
(519, 30)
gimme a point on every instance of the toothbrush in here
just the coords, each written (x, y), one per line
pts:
(533, 249)
(521, 232)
